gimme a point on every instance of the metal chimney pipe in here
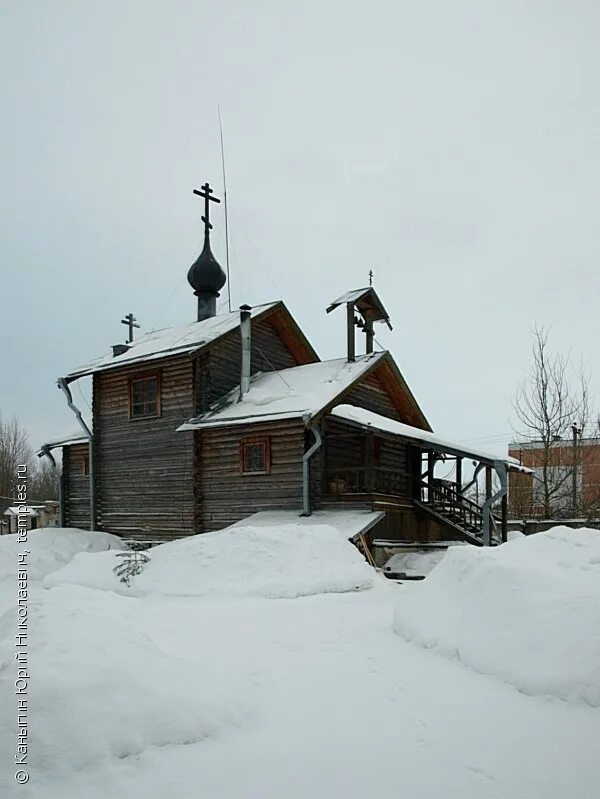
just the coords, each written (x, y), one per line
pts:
(246, 333)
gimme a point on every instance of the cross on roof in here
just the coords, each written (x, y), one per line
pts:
(130, 321)
(205, 191)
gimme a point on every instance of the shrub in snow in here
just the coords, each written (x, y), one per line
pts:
(527, 612)
(131, 564)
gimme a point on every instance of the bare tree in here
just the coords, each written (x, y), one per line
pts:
(46, 481)
(14, 451)
(551, 400)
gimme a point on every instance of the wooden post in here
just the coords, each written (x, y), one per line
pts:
(369, 335)
(430, 471)
(370, 461)
(350, 331)
(504, 518)
(488, 494)
(458, 475)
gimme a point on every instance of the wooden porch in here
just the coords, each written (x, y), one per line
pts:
(382, 471)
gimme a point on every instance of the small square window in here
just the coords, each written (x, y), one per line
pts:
(144, 397)
(255, 456)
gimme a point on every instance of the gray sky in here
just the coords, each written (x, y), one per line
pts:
(450, 146)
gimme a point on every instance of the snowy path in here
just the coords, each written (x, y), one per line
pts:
(343, 708)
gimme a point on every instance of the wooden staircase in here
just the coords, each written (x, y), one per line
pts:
(456, 512)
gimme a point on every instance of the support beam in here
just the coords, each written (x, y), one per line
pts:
(350, 331)
(370, 335)
(504, 518)
(459, 474)
(430, 473)
(370, 461)
(487, 509)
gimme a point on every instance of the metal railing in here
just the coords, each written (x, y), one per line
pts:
(456, 507)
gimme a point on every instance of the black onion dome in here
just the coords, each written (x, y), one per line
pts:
(206, 274)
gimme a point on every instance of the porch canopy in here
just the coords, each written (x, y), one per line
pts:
(427, 441)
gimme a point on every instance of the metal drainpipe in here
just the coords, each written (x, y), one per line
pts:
(473, 480)
(62, 384)
(501, 470)
(306, 511)
(246, 334)
(45, 452)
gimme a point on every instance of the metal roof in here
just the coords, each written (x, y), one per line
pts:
(169, 341)
(367, 302)
(298, 392)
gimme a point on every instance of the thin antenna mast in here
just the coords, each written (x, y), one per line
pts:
(226, 214)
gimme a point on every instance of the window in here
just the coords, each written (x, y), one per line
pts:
(255, 456)
(144, 397)
(85, 465)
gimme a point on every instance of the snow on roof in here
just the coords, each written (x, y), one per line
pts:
(350, 296)
(301, 391)
(169, 341)
(74, 437)
(349, 522)
(27, 510)
(369, 419)
(368, 303)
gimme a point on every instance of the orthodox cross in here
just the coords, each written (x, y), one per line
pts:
(130, 321)
(205, 191)
(370, 277)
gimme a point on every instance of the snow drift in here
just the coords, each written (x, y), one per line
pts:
(283, 562)
(527, 612)
(50, 548)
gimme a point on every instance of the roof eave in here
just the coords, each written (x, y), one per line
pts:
(190, 349)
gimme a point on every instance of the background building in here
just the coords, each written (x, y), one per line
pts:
(565, 479)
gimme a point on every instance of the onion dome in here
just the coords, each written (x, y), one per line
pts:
(206, 274)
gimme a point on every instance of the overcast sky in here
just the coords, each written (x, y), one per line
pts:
(452, 147)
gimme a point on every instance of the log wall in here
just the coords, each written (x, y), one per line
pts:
(75, 487)
(144, 468)
(268, 353)
(226, 495)
(371, 394)
(149, 478)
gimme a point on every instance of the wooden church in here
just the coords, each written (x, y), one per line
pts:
(198, 426)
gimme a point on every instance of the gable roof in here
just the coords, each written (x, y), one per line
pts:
(366, 301)
(194, 336)
(306, 392)
(301, 392)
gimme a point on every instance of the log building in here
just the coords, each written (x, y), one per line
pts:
(201, 425)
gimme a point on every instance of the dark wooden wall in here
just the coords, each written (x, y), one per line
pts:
(344, 448)
(75, 487)
(371, 394)
(226, 495)
(148, 476)
(144, 468)
(218, 370)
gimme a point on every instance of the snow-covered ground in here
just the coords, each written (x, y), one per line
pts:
(207, 678)
(528, 612)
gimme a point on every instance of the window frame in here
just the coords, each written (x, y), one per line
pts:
(263, 441)
(85, 465)
(145, 376)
